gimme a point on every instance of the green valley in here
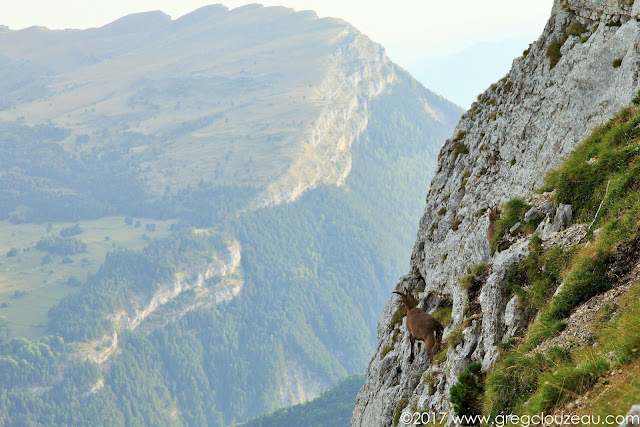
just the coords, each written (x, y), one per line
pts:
(201, 218)
(33, 280)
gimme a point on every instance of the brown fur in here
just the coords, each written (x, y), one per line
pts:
(421, 326)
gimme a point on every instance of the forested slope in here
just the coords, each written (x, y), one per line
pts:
(235, 307)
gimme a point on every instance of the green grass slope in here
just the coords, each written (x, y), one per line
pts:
(601, 181)
(33, 280)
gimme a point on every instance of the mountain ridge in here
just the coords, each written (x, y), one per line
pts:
(185, 128)
(89, 88)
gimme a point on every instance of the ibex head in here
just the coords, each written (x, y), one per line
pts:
(407, 299)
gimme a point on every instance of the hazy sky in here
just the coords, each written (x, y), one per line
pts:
(409, 29)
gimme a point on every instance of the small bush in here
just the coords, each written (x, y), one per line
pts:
(616, 62)
(513, 211)
(397, 317)
(466, 394)
(73, 282)
(443, 315)
(473, 280)
(432, 382)
(19, 294)
(456, 223)
(442, 211)
(402, 403)
(553, 52)
(459, 149)
(587, 278)
(385, 351)
(71, 231)
(440, 357)
(61, 246)
(576, 29)
(456, 336)
(554, 49)
(461, 134)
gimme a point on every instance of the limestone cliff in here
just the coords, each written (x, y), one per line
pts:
(345, 92)
(580, 72)
(200, 286)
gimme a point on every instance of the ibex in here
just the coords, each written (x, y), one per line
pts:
(421, 326)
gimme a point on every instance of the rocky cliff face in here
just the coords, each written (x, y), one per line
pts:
(214, 283)
(580, 72)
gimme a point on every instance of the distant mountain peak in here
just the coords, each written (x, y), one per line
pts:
(203, 13)
(137, 22)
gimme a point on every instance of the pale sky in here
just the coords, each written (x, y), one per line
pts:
(408, 29)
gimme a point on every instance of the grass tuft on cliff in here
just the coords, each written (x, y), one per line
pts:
(512, 212)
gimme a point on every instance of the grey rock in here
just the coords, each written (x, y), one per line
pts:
(533, 214)
(545, 113)
(512, 317)
(632, 417)
(564, 216)
(547, 208)
(596, 233)
(546, 228)
(516, 228)
(493, 303)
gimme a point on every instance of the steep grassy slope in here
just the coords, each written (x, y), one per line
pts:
(596, 303)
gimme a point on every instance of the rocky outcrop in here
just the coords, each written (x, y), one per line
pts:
(580, 72)
(214, 283)
(632, 418)
(197, 280)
